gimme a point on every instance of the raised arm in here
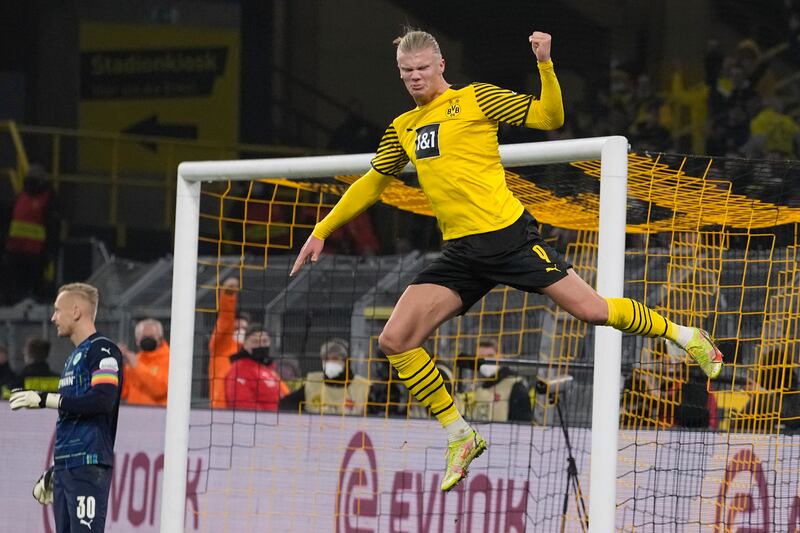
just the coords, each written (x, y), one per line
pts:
(547, 113)
(504, 105)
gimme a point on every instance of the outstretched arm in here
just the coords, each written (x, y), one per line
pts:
(358, 197)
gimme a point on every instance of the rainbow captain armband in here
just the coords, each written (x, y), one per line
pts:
(107, 373)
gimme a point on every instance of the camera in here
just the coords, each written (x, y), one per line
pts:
(552, 384)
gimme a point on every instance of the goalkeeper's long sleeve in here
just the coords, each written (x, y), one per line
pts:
(547, 113)
(358, 197)
(100, 399)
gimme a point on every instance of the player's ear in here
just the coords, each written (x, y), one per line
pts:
(72, 306)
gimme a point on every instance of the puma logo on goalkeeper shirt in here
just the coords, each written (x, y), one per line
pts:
(87, 523)
(107, 350)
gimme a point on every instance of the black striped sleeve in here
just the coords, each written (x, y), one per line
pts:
(501, 104)
(390, 158)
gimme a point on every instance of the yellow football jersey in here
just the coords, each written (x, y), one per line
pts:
(452, 142)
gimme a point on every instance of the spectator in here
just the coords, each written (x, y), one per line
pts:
(501, 395)
(8, 379)
(36, 352)
(334, 390)
(252, 382)
(146, 371)
(387, 397)
(288, 368)
(32, 237)
(226, 340)
(647, 134)
(695, 408)
(773, 134)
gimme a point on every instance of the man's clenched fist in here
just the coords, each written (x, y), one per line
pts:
(540, 44)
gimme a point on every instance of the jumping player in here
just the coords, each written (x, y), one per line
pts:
(451, 138)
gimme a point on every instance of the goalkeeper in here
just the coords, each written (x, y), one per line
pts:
(451, 138)
(88, 404)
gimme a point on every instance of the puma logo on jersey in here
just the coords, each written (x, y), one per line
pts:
(107, 350)
(551, 269)
(87, 523)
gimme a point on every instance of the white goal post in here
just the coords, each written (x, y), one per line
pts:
(613, 153)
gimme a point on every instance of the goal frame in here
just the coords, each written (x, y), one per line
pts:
(613, 153)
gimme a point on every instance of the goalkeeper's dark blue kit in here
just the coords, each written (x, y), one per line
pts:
(90, 388)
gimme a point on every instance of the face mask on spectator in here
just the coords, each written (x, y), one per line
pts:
(148, 344)
(333, 369)
(239, 335)
(488, 371)
(261, 353)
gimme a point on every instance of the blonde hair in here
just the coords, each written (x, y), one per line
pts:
(85, 291)
(416, 40)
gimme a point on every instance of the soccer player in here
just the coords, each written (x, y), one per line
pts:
(451, 138)
(88, 405)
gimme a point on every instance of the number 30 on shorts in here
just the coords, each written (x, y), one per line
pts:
(86, 507)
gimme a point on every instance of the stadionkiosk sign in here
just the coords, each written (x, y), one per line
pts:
(153, 80)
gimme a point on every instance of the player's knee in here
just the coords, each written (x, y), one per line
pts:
(392, 343)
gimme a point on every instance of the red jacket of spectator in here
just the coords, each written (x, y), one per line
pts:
(27, 232)
(253, 385)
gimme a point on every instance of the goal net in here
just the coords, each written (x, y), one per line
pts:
(708, 243)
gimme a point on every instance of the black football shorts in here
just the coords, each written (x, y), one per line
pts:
(515, 256)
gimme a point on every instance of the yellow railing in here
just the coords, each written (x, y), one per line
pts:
(118, 161)
(16, 173)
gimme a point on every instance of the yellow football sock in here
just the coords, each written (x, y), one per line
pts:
(417, 371)
(630, 316)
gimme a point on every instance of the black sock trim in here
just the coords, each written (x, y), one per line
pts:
(420, 380)
(647, 321)
(424, 385)
(422, 400)
(633, 316)
(418, 371)
(437, 413)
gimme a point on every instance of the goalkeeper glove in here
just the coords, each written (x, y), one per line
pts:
(43, 490)
(32, 399)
